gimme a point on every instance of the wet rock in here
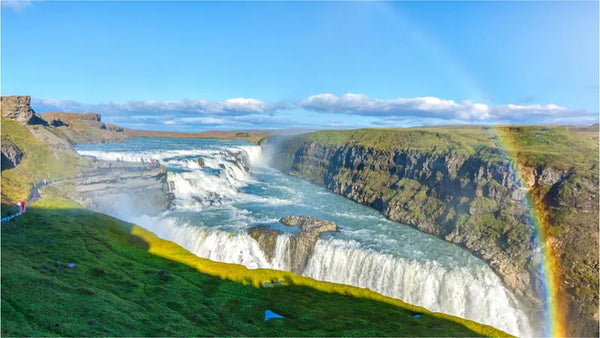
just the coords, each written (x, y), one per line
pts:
(301, 243)
(266, 239)
(109, 188)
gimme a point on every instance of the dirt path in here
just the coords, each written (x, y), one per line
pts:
(34, 196)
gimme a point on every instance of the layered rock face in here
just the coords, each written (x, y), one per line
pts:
(123, 189)
(110, 187)
(18, 108)
(71, 116)
(302, 242)
(84, 128)
(477, 201)
(11, 154)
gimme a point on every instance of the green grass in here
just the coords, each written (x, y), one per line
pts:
(559, 147)
(437, 140)
(128, 282)
(121, 287)
(39, 162)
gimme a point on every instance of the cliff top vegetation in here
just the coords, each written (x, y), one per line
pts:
(560, 147)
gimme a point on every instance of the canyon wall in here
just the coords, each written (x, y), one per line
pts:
(463, 186)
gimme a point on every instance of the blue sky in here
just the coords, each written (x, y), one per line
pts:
(192, 66)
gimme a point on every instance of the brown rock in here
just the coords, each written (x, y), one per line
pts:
(18, 108)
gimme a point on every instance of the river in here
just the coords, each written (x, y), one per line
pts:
(216, 203)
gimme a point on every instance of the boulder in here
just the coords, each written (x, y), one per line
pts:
(301, 244)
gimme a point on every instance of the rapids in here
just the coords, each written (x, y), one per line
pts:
(216, 203)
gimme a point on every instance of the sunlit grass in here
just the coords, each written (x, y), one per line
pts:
(128, 282)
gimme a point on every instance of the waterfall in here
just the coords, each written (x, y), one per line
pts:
(474, 293)
(205, 191)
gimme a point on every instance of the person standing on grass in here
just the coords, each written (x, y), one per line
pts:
(21, 205)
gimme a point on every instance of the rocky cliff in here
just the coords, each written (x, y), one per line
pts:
(84, 128)
(18, 108)
(121, 188)
(466, 187)
(302, 242)
(62, 116)
(11, 153)
(72, 127)
(35, 152)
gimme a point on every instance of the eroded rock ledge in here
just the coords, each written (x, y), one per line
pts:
(122, 188)
(302, 242)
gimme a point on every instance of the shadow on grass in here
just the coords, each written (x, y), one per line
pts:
(69, 271)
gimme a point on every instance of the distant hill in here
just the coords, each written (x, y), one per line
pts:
(253, 136)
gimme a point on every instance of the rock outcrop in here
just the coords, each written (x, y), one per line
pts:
(18, 108)
(121, 188)
(111, 187)
(79, 128)
(11, 154)
(476, 200)
(266, 239)
(71, 116)
(301, 243)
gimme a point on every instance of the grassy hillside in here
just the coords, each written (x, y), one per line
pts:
(127, 282)
(120, 286)
(562, 147)
(40, 161)
(430, 140)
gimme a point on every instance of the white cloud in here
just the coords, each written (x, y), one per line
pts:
(325, 111)
(248, 105)
(16, 5)
(441, 110)
(362, 105)
(202, 120)
(231, 106)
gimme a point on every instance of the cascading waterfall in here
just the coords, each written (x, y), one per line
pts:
(217, 202)
(476, 294)
(472, 293)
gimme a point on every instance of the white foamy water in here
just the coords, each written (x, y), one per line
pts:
(216, 203)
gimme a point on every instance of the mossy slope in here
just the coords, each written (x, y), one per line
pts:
(128, 282)
(118, 288)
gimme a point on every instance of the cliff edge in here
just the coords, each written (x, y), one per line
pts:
(489, 190)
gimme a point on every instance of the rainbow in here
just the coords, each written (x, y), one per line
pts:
(554, 316)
